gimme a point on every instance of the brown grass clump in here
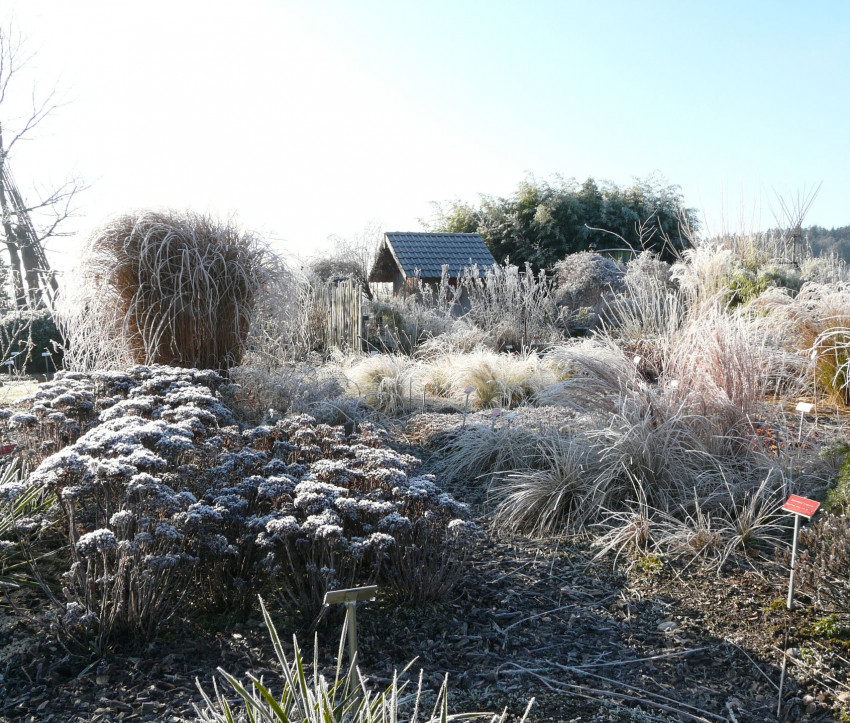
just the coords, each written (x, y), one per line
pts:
(166, 287)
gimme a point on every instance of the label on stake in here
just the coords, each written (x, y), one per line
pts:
(801, 506)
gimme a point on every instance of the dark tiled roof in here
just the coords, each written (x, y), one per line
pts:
(427, 252)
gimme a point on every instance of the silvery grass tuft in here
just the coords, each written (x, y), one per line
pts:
(384, 381)
(315, 699)
(165, 287)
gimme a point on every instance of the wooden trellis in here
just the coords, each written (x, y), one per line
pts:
(342, 305)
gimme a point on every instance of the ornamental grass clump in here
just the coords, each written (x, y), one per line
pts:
(384, 381)
(165, 288)
(553, 493)
(682, 449)
(487, 445)
(498, 380)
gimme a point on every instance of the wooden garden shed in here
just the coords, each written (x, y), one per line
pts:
(404, 257)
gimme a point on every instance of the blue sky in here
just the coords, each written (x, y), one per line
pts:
(306, 119)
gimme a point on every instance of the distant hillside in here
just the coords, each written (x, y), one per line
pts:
(824, 241)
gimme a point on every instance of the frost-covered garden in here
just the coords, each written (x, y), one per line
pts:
(505, 455)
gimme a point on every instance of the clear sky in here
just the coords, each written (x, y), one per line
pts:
(306, 119)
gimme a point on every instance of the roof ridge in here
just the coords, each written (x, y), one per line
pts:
(434, 233)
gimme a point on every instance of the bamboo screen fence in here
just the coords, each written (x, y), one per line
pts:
(342, 305)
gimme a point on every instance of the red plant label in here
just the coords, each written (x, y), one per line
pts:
(801, 506)
(8, 448)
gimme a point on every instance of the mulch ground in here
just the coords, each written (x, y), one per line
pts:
(528, 619)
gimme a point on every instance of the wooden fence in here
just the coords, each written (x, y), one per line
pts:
(342, 306)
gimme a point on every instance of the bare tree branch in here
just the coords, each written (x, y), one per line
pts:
(34, 283)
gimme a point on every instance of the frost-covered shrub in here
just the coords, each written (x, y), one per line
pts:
(356, 515)
(163, 495)
(496, 307)
(823, 269)
(824, 564)
(121, 488)
(514, 306)
(258, 394)
(747, 279)
(583, 282)
(646, 269)
(31, 333)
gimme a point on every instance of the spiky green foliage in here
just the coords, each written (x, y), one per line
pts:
(306, 698)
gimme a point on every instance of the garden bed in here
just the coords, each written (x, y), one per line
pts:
(652, 640)
(531, 619)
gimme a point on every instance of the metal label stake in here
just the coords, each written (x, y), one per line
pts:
(799, 507)
(466, 391)
(350, 598)
(803, 408)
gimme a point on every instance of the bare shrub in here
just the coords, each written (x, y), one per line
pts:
(498, 307)
(514, 306)
(287, 325)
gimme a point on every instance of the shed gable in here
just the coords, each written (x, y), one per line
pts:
(427, 253)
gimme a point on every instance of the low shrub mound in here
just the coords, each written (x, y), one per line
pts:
(163, 501)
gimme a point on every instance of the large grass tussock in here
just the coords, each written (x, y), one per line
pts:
(165, 287)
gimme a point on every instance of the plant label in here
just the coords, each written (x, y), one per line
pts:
(350, 598)
(805, 407)
(353, 594)
(801, 506)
